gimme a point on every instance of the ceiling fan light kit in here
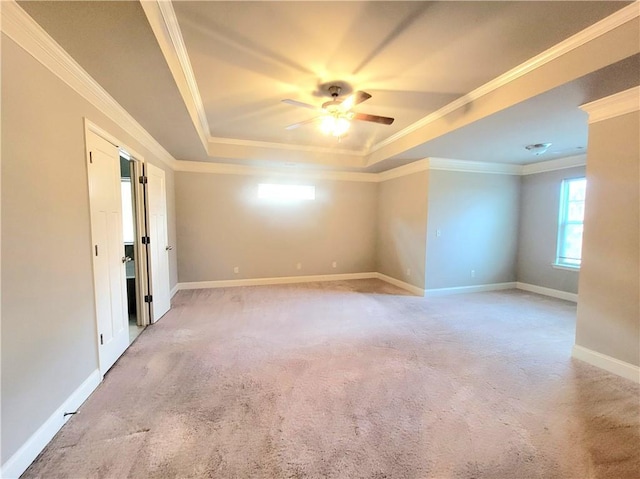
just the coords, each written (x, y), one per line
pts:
(337, 113)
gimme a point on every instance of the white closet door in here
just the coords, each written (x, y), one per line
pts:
(157, 230)
(107, 250)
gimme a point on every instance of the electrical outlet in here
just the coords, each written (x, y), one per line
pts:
(334, 264)
(408, 271)
(236, 269)
(299, 266)
(438, 233)
(473, 273)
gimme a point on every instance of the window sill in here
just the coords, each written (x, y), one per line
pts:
(566, 267)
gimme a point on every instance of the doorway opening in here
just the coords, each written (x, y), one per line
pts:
(131, 255)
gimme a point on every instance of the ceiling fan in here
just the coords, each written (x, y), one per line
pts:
(337, 113)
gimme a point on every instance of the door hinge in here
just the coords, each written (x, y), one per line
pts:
(146, 240)
(90, 157)
(143, 180)
(148, 298)
(96, 246)
(101, 341)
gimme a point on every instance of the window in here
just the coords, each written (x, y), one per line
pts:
(275, 192)
(572, 194)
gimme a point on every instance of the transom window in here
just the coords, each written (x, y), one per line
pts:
(571, 219)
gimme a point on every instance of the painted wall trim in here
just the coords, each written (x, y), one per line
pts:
(231, 169)
(230, 283)
(553, 165)
(554, 293)
(590, 33)
(480, 288)
(401, 284)
(174, 290)
(602, 361)
(410, 169)
(442, 164)
(30, 36)
(213, 141)
(626, 101)
(163, 21)
(24, 456)
(466, 166)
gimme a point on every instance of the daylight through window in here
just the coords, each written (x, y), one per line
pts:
(569, 252)
(275, 192)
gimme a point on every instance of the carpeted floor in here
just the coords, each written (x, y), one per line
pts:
(353, 379)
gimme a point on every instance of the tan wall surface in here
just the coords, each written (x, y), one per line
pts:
(477, 215)
(49, 342)
(609, 294)
(539, 210)
(222, 224)
(402, 228)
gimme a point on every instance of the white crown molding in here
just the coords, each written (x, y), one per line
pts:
(281, 146)
(23, 30)
(232, 169)
(163, 21)
(447, 164)
(553, 165)
(439, 164)
(410, 169)
(590, 33)
(615, 105)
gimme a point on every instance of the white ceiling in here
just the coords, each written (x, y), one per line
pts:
(413, 57)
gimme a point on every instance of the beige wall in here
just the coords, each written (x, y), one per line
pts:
(402, 228)
(539, 210)
(222, 224)
(477, 216)
(48, 323)
(609, 295)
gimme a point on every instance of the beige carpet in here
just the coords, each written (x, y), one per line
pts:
(353, 380)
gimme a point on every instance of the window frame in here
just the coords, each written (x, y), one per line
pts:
(563, 222)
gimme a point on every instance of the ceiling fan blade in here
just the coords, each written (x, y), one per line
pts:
(354, 99)
(300, 123)
(385, 120)
(288, 101)
(361, 96)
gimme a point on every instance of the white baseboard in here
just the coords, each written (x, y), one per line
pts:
(175, 289)
(555, 293)
(602, 361)
(470, 289)
(401, 284)
(228, 283)
(23, 457)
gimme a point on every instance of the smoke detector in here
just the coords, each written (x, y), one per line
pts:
(538, 148)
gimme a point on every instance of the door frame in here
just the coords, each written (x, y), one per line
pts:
(142, 277)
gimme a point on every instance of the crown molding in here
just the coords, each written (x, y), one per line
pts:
(231, 169)
(590, 33)
(410, 169)
(615, 105)
(31, 37)
(425, 164)
(465, 166)
(553, 165)
(163, 21)
(280, 146)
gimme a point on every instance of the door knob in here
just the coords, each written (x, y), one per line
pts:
(168, 248)
(126, 259)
